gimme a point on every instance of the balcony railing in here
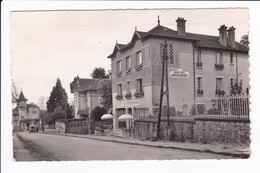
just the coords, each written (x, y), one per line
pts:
(128, 95)
(118, 74)
(199, 64)
(199, 93)
(128, 70)
(219, 66)
(220, 92)
(139, 94)
(118, 97)
(138, 67)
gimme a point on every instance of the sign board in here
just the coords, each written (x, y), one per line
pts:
(179, 73)
(130, 103)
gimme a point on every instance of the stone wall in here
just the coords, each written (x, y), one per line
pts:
(222, 131)
(196, 130)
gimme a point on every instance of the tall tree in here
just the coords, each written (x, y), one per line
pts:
(99, 73)
(14, 92)
(106, 95)
(244, 40)
(59, 99)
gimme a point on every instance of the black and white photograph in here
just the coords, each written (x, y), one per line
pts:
(151, 84)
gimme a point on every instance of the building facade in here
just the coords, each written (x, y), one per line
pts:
(25, 115)
(86, 95)
(202, 65)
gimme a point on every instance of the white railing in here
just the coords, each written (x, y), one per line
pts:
(226, 107)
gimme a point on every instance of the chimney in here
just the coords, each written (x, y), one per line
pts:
(181, 26)
(231, 37)
(223, 35)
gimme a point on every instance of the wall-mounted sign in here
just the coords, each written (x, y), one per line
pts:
(130, 103)
(179, 73)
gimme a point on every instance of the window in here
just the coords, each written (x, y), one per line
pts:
(199, 83)
(138, 58)
(128, 63)
(219, 58)
(199, 56)
(231, 81)
(231, 58)
(119, 66)
(119, 89)
(139, 85)
(33, 112)
(219, 84)
(128, 86)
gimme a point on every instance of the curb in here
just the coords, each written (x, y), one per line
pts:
(238, 155)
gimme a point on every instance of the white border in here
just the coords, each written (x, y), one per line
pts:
(237, 166)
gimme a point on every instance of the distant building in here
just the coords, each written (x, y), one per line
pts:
(86, 96)
(203, 65)
(25, 115)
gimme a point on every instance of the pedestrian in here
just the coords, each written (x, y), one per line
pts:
(36, 129)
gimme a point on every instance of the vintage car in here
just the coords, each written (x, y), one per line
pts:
(33, 129)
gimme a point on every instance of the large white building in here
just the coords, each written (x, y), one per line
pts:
(203, 65)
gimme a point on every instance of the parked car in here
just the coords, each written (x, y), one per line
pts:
(33, 129)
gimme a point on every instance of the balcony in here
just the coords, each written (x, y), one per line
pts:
(199, 93)
(219, 66)
(220, 92)
(139, 94)
(199, 64)
(119, 97)
(128, 95)
(118, 74)
(139, 67)
(128, 70)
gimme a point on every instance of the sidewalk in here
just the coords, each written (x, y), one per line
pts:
(228, 150)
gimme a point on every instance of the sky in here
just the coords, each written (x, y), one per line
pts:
(46, 45)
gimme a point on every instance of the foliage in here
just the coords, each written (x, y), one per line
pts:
(97, 113)
(58, 99)
(99, 73)
(106, 95)
(244, 40)
(56, 115)
(14, 92)
(236, 89)
(171, 110)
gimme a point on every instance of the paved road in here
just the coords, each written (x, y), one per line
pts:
(64, 148)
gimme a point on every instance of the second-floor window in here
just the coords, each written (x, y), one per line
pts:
(231, 82)
(138, 58)
(128, 63)
(219, 58)
(119, 89)
(139, 85)
(119, 68)
(128, 86)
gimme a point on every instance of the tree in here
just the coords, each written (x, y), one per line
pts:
(97, 113)
(99, 73)
(106, 95)
(59, 99)
(15, 94)
(244, 40)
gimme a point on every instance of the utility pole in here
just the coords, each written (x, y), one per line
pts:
(165, 54)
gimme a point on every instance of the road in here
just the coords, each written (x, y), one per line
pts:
(64, 148)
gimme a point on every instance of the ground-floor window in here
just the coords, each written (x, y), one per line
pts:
(141, 113)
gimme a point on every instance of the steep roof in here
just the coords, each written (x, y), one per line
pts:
(21, 97)
(204, 41)
(80, 84)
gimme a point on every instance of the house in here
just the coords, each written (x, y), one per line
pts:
(25, 115)
(86, 95)
(202, 65)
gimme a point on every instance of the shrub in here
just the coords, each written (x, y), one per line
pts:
(98, 112)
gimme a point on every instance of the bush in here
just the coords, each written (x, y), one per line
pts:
(98, 112)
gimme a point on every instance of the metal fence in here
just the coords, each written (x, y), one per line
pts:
(223, 107)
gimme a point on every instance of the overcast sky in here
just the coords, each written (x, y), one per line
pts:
(50, 44)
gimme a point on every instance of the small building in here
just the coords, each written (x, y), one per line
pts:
(202, 65)
(86, 95)
(25, 115)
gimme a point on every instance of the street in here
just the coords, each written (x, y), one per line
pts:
(64, 148)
